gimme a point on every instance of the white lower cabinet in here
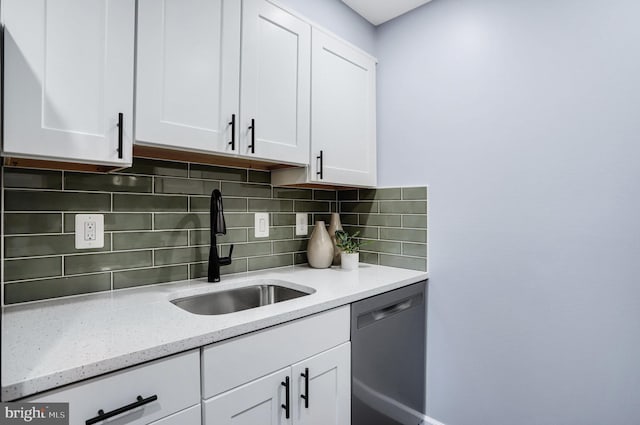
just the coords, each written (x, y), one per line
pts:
(258, 402)
(166, 387)
(327, 393)
(298, 373)
(316, 391)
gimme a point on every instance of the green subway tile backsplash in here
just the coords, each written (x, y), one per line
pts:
(212, 172)
(171, 185)
(380, 220)
(157, 225)
(131, 278)
(107, 182)
(139, 240)
(195, 254)
(414, 193)
(271, 261)
(32, 179)
(156, 167)
(312, 206)
(408, 235)
(17, 223)
(419, 264)
(380, 194)
(170, 221)
(31, 200)
(403, 207)
(88, 263)
(248, 190)
(34, 290)
(414, 249)
(289, 193)
(393, 221)
(154, 203)
(32, 268)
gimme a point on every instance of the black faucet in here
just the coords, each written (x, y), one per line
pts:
(218, 227)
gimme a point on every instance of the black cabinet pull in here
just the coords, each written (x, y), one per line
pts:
(321, 158)
(120, 130)
(287, 405)
(232, 123)
(102, 416)
(305, 396)
(252, 127)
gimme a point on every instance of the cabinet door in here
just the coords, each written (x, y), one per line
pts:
(328, 389)
(343, 127)
(258, 402)
(68, 75)
(275, 85)
(188, 74)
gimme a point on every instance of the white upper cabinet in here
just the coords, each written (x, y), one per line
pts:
(188, 75)
(343, 119)
(68, 80)
(192, 94)
(275, 84)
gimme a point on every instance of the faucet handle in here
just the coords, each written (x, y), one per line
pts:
(225, 261)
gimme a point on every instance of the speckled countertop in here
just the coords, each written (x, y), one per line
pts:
(53, 343)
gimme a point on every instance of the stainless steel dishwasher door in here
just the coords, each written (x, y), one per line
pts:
(388, 346)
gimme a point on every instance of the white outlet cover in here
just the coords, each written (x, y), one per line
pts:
(262, 225)
(84, 221)
(302, 224)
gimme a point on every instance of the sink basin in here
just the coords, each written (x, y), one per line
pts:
(238, 299)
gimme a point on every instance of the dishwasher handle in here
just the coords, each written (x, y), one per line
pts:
(376, 315)
(383, 313)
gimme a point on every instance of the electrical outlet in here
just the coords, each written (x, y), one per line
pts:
(302, 224)
(89, 231)
(262, 225)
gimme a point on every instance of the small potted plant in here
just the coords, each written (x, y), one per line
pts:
(350, 246)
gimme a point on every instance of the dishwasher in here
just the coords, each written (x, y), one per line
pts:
(388, 353)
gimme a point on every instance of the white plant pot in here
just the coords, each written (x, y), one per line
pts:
(349, 261)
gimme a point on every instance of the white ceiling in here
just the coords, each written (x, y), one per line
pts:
(380, 11)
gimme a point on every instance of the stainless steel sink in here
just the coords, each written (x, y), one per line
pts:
(238, 299)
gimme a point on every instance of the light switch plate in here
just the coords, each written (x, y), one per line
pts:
(302, 224)
(262, 225)
(89, 231)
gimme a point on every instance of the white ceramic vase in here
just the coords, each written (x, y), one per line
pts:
(320, 247)
(333, 226)
(350, 260)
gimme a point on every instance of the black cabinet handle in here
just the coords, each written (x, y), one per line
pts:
(305, 396)
(287, 405)
(120, 130)
(232, 123)
(102, 416)
(321, 158)
(252, 127)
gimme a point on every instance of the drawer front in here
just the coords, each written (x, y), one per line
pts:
(229, 364)
(190, 416)
(174, 380)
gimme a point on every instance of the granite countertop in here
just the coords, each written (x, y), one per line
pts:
(53, 343)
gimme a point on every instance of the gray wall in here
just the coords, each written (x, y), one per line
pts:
(524, 119)
(339, 18)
